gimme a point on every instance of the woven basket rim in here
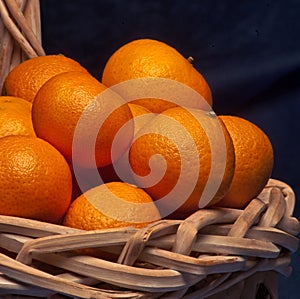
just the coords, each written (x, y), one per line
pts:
(226, 246)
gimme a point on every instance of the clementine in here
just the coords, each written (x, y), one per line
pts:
(70, 107)
(15, 117)
(111, 205)
(27, 78)
(152, 58)
(120, 169)
(254, 161)
(35, 179)
(177, 154)
(141, 116)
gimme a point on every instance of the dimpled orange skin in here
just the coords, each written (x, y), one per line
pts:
(254, 161)
(27, 78)
(83, 214)
(108, 173)
(151, 58)
(141, 116)
(59, 105)
(150, 144)
(15, 117)
(35, 179)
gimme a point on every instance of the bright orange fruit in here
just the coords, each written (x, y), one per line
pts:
(35, 179)
(70, 99)
(15, 117)
(179, 137)
(27, 78)
(141, 116)
(113, 172)
(151, 58)
(86, 211)
(254, 161)
(120, 170)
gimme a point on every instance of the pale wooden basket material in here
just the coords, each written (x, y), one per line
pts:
(214, 253)
(20, 32)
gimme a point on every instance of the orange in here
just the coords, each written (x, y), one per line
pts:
(141, 116)
(15, 117)
(97, 209)
(26, 79)
(35, 179)
(254, 161)
(152, 58)
(68, 106)
(120, 170)
(174, 149)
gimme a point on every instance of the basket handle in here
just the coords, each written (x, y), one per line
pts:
(20, 28)
(24, 36)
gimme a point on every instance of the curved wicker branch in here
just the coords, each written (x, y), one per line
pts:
(20, 31)
(226, 249)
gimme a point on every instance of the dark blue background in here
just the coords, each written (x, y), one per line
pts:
(248, 51)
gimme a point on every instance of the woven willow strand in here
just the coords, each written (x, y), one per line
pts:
(233, 251)
(20, 29)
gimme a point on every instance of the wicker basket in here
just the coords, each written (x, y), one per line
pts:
(214, 253)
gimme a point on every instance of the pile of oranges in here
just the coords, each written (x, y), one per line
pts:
(140, 145)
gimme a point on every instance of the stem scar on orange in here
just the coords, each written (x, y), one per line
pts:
(152, 58)
(177, 138)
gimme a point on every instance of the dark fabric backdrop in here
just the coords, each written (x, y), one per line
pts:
(249, 52)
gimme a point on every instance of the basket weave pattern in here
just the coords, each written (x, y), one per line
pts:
(214, 253)
(20, 32)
